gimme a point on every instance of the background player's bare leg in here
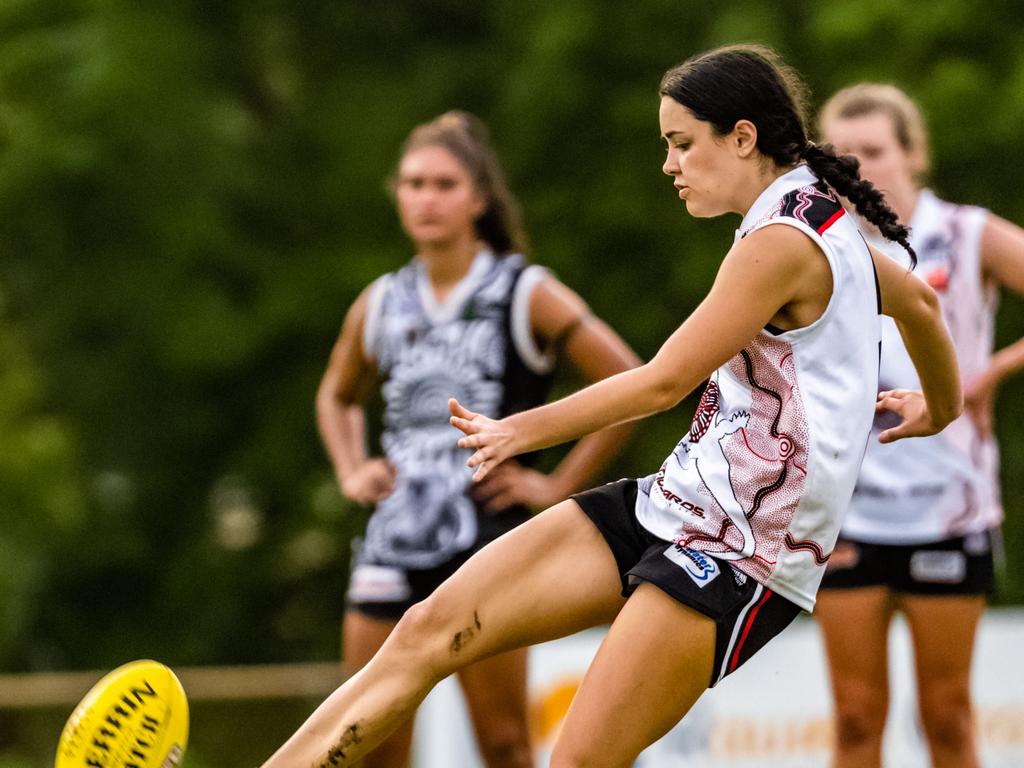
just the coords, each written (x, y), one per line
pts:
(363, 636)
(943, 630)
(855, 626)
(549, 577)
(495, 691)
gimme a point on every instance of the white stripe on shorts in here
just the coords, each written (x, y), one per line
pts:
(736, 630)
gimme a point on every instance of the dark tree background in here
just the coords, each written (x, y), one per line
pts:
(192, 193)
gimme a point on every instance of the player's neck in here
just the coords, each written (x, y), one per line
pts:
(905, 204)
(447, 263)
(762, 178)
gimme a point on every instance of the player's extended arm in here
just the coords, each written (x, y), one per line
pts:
(915, 308)
(1002, 263)
(339, 414)
(1002, 259)
(756, 278)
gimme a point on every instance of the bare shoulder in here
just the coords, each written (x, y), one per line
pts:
(554, 307)
(1002, 252)
(350, 340)
(778, 253)
(780, 242)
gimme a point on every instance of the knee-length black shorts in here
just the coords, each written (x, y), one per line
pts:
(746, 614)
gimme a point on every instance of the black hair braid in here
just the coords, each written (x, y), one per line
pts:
(842, 173)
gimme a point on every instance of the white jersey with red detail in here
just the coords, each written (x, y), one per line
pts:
(947, 485)
(768, 467)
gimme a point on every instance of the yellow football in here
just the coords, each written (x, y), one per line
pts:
(135, 717)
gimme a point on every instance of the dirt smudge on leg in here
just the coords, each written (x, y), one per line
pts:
(336, 753)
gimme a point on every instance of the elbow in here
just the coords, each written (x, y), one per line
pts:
(329, 399)
(928, 301)
(662, 391)
(324, 399)
(951, 411)
(923, 312)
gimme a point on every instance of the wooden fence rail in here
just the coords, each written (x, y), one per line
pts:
(272, 681)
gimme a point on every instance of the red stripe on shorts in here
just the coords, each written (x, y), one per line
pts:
(735, 660)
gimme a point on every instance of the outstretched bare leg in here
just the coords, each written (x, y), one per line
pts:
(548, 578)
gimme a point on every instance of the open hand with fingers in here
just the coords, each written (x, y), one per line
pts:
(511, 484)
(493, 440)
(911, 405)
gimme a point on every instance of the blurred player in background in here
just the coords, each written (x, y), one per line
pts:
(701, 563)
(924, 519)
(466, 317)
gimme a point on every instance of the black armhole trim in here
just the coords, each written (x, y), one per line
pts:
(878, 292)
(874, 271)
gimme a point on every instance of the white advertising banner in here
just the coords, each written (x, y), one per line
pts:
(776, 710)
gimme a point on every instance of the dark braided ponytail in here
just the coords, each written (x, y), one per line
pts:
(842, 172)
(750, 82)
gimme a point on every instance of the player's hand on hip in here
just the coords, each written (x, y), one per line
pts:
(912, 407)
(511, 484)
(372, 481)
(979, 400)
(492, 440)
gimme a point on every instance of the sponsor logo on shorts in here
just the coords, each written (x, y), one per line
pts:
(938, 567)
(698, 566)
(378, 584)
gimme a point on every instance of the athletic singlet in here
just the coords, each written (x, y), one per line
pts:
(947, 485)
(768, 467)
(476, 346)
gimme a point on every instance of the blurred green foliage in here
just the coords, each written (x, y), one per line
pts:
(192, 193)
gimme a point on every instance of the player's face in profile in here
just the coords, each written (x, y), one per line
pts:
(438, 202)
(697, 160)
(871, 138)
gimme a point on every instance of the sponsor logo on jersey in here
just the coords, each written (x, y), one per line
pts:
(698, 566)
(675, 498)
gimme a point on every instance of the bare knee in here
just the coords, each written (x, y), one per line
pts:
(947, 718)
(505, 743)
(435, 635)
(860, 722)
(418, 634)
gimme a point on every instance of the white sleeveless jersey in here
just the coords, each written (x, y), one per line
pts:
(933, 488)
(768, 467)
(476, 346)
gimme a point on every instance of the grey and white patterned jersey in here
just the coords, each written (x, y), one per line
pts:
(476, 346)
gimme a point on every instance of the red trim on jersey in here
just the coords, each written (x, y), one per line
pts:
(743, 431)
(831, 220)
(735, 661)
